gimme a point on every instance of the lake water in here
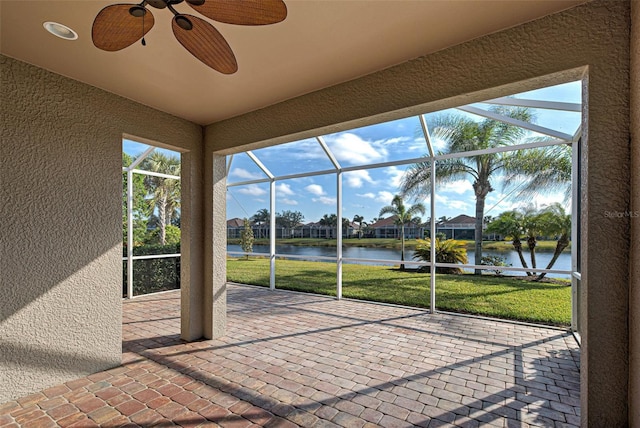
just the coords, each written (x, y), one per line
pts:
(542, 258)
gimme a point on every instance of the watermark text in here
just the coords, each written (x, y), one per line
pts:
(622, 214)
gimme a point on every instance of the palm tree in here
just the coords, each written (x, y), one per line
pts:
(462, 134)
(165, 191)
(261, 217)
(531, 226)
(403, 216)
(358, 219)
(329, 223)
(346, 225)
(555, 221)
(509, 223)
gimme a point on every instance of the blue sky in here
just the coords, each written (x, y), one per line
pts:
(365, 192)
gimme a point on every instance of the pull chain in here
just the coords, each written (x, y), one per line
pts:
(144, 43)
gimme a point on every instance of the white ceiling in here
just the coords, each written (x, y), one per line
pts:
(320, 43)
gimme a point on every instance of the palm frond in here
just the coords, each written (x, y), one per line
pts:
(540, 171)
(417, 208)
(416, 181)
(504, 134)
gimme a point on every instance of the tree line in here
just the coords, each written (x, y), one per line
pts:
(530, 224)
(156, 201)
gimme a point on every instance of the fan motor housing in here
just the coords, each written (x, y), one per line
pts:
(161, 4)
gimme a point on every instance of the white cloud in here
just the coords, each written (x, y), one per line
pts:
(284, 189)
(243, 173)
(315, 189)
(458, 186)
(384, 197)
(252, 190)
(352, 149)
(368, 195)
(394, 140)
(395, 176)
(305, 149)
(458, 205)
(455, 204)
(326, 200)
(288, 201)
(356, 179)
(310, 150)
(418, 145)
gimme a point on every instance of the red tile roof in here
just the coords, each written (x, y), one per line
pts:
(235, 222)
(461, 219)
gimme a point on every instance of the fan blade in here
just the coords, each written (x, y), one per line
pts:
(206, 43)
(243, 12)
(115, 28)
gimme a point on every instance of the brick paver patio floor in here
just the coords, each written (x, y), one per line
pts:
(292, 359)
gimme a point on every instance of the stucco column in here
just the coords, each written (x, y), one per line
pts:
(634, 258)
(192, 268)
(215, 241)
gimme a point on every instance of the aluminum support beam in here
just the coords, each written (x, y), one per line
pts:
(229, 164)
(339, 237)
(129, 234)
(427, 136)
(156, 174)
(137, 161)
(272, 235)
(257, 161)
(328, 152)
(546, 105)
(432, 275)
(575, 213)
(515, 122)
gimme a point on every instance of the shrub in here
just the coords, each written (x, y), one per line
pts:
(494, 261)
(447, 251)
(153, 275)
(246, 238)
(172, 236)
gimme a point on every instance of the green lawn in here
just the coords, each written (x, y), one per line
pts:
(410, 244)
(501, 297)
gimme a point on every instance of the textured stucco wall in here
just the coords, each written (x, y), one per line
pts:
(592, 39)
(61, 185)
(634, 294)
(215, 246)
(191, 248)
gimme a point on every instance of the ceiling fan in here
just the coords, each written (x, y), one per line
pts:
(120, 25)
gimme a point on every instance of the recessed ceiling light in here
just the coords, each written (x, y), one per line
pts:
(60, 30)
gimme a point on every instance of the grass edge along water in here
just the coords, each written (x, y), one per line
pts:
(513, 298)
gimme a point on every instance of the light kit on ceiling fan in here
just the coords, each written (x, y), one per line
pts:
(120, 25)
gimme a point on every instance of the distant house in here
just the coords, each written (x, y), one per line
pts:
(314, 230)
(235, 227)
(459, 227)
(317, 230)
(387, 228)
